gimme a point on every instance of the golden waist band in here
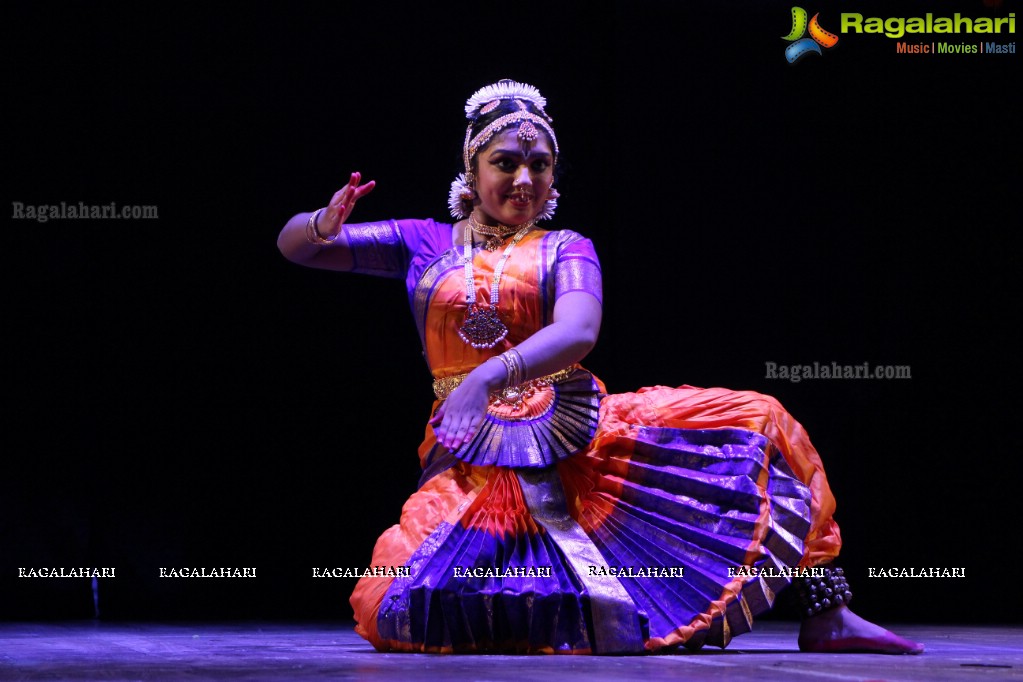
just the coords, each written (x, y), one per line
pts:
(442, 388)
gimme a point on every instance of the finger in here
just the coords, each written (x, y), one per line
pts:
(337, 206)
(459, 434)
(463, 430)
(349, 196)
(364, 189)
(454, 432)
(336, 199)
(474, 425)
(447, 430)
(346, 188)
(346, 194)
(437, 416)
(442, 430)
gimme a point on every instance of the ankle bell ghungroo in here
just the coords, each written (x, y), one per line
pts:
(821, 593)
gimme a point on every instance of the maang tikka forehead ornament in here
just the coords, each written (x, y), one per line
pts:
(484, 101)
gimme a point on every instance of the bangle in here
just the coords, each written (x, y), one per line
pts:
(312, 234)
(520, 365)
(507, 368)
(516, 367)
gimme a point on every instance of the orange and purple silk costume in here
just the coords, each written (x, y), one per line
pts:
(619, 544)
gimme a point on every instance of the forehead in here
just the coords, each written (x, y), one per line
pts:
(508, 140)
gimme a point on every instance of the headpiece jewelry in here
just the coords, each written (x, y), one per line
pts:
(482, 102)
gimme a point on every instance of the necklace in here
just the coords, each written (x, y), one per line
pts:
(483, 327)
(495, 234)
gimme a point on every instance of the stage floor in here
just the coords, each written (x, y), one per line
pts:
(314, 651)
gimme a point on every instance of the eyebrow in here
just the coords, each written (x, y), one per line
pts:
(518, 152)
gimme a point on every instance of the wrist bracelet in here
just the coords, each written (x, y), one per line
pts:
(312, 234)
(512, 360)
(507, 368)
(520, 365)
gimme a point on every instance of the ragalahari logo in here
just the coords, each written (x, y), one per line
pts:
(801, 46)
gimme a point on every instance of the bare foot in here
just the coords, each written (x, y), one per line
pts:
(840, 630)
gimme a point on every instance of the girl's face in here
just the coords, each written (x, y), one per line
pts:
(513, 178)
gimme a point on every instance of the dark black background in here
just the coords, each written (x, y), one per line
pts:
(180, 395)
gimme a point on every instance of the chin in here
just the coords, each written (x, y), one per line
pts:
(510, 215)
(518, 216)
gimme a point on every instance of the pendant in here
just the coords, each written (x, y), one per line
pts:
(482, 327)
(493, 243)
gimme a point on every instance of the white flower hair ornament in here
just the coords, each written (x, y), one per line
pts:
(506, 89)
(461, 193)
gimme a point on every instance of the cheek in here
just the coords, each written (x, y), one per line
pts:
(493, 183)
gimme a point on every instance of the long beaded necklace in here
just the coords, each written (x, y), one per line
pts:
(483, 327)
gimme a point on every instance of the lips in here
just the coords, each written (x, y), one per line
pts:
(520, 199)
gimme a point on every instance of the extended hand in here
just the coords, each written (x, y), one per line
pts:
(341, 205)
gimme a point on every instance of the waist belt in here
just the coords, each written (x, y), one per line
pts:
(442, 388)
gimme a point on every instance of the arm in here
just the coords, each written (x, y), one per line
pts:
(296, 247)
(566, 341)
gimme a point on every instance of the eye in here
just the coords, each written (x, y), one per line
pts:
(540, 165)
(504, 163)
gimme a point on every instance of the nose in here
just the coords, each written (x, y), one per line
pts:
(522, 177)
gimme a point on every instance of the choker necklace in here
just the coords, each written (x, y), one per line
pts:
(482, 327)
(495, 234)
